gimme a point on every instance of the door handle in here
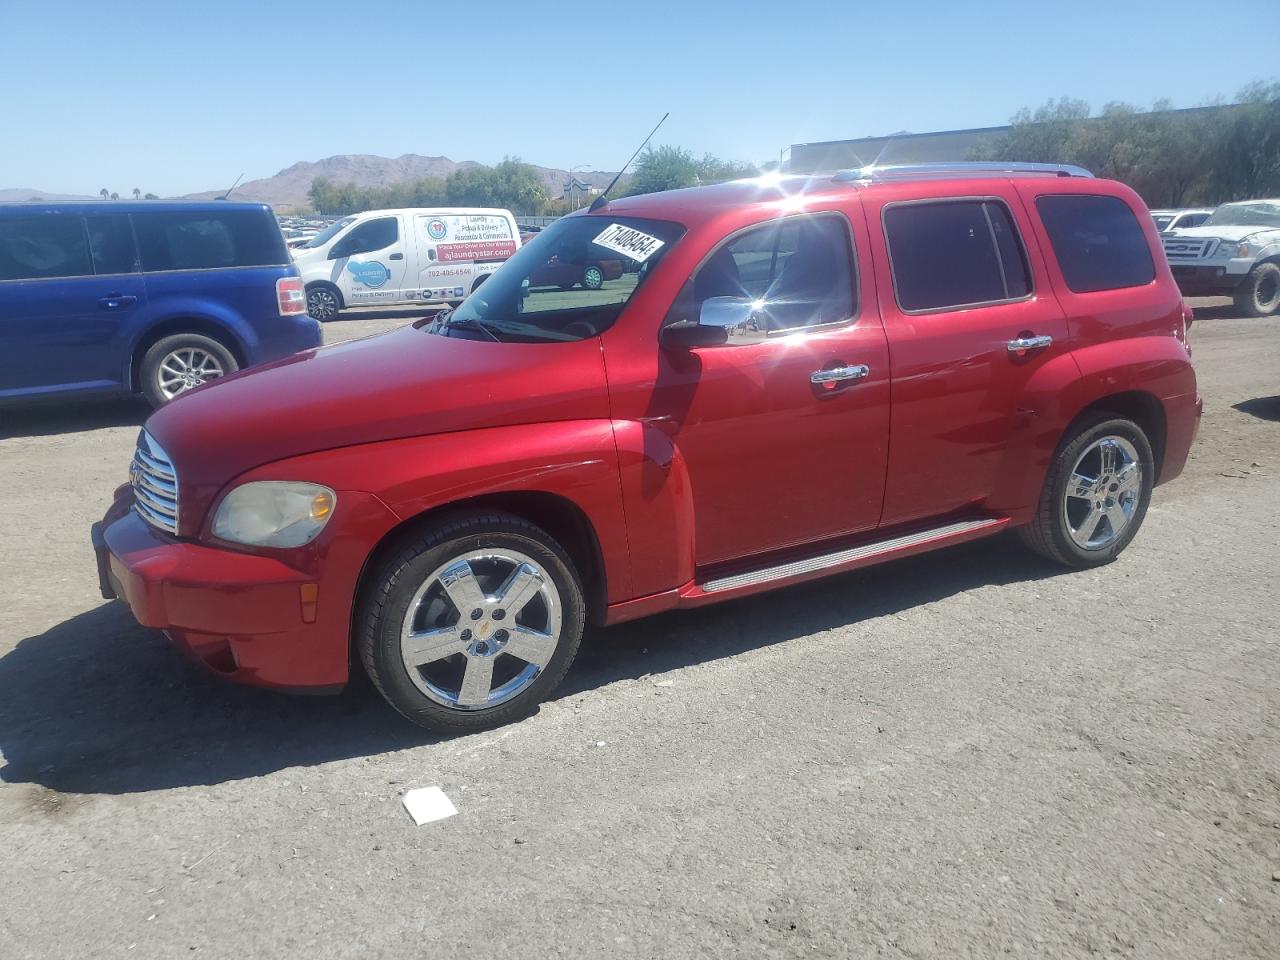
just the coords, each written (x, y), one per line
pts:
(1021, 344)
(396, 256)
(835, 374)
(114, 301)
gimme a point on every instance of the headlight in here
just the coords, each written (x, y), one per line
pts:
(1245, 250)
(274, 513)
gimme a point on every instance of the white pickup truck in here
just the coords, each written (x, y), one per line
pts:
(1236, 253)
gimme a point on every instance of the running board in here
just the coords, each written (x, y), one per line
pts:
(961, 530)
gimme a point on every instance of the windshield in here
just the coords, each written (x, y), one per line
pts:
(1258, 213)
(328, 233)
(571, 281)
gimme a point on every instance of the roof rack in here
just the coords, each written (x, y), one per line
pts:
(914, 171)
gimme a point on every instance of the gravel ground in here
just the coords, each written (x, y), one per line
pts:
(967, 754)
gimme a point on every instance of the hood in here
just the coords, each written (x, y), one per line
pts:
(1222, 232)
(406, 383)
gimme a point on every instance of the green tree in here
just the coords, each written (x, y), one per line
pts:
(150, 196)
(104, 193)
(115, 196)
(511, 184)
(671, 168)
(137, 193)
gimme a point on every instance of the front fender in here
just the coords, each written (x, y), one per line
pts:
(572, 459)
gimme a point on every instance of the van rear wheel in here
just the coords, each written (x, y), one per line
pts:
(177, 363)
(1259, 293)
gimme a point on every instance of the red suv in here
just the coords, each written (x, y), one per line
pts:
(793, 377)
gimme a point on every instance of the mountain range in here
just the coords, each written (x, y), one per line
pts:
(287, 189)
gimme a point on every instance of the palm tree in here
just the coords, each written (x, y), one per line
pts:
(137, 193)
(104, 193)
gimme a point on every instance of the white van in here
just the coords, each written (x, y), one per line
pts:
(404, 256)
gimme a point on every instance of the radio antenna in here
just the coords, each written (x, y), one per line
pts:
(232, 187)
(601, 200)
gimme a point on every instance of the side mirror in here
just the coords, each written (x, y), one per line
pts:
(720, 320)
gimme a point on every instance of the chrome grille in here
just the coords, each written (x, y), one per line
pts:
(1187, 248)
(155, 484)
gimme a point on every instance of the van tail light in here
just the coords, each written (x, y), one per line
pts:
(291, 296)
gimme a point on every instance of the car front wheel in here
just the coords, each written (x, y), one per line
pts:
(1259, 293)
(1095, 495)
(593, 278)
(472, 622)
(323, 302)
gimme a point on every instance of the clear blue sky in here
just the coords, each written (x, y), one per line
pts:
(178, 96)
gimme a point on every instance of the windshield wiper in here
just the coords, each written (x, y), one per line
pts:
(444, 322)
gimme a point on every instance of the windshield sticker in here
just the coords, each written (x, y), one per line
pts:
(371, 274)
(628, 241)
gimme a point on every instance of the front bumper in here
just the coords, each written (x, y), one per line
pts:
(241, 615)
(1210, 278)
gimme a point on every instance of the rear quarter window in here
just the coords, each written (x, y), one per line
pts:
(204, 240)
(1098, 242)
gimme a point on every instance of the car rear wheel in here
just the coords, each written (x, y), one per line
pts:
(471, 623)
(323, 302)
(177, 363)
(593, 277)
(1095, 495)
(1259, 293)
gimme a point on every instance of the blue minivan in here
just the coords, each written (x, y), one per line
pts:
(152, 297)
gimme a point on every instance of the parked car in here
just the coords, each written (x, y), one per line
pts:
(807, 376)
(404, 256)
(568, 271)
(1175, 219)
(155, 297)
(1235, 253)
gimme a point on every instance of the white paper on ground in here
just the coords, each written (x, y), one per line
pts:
(427, 804)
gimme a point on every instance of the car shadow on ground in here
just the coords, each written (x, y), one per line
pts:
(47, 418)
(98, 704)
(1264, 408)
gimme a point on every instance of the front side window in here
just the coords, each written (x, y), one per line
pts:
(797, 272)
(1098, 242)
(38, 248)
(569, 282)
(952, 254)
(377, 234)
(201, 240)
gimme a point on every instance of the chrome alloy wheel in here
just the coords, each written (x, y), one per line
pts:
(1102, 493)
(481, 628)
(185, 368)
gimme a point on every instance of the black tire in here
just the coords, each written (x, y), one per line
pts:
(393, 586)
(1050, 534)
(1258, 295)
(156, 371)
(324, 301)
(592, 277)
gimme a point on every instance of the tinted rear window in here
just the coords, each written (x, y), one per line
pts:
(38, 248)
(195, 240)
(111, 243)
(1098, 242)
(955, 253)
